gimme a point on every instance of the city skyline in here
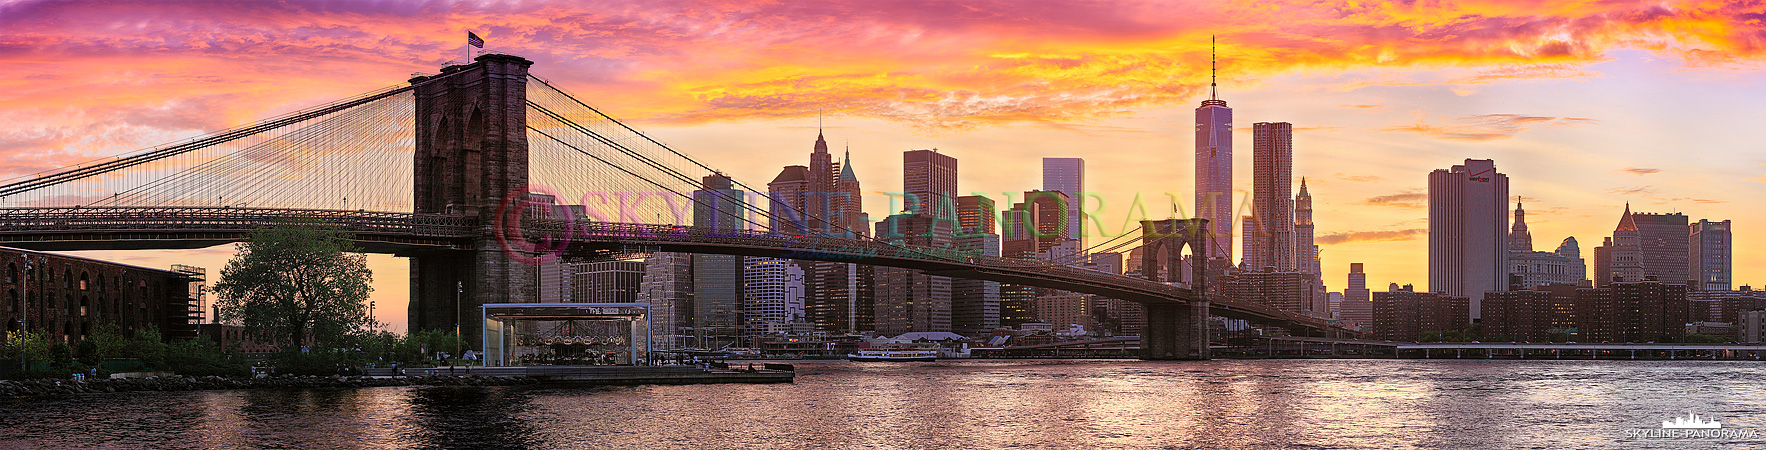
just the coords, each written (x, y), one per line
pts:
(1372, 115)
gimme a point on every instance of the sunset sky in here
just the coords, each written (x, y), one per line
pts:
(1585, 105)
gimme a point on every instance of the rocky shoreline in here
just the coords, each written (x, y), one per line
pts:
(54, 387)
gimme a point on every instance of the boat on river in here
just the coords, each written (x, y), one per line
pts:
(893, 355)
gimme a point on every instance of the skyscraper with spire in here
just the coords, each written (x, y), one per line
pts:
(823, 178)
(1644, 247)
(840, 295)
(1305, 250)
(1214, 168)
(1519, 239)
(1528, 268)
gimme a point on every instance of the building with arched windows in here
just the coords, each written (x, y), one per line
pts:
(66, 297)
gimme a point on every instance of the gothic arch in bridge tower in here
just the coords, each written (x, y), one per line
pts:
(472, 152)
(1175, 330)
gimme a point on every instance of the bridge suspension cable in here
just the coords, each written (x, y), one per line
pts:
(560, 110)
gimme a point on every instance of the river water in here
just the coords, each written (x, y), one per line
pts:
(962, 404)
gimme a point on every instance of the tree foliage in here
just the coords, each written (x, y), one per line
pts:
(296, 281)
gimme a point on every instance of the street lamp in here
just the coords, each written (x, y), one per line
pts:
(459, 288)
(24, 307)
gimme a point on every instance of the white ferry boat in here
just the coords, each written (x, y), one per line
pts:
(893, 355)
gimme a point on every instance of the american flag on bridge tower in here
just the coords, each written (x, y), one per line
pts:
(474, 40)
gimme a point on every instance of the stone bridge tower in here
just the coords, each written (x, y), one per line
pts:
(1176, 331)
(471, 153)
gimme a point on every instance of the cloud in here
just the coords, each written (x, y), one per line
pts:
(1359, 178)
(1371, 236)
(1639, 171)
(1631, 190)
(1410, 199)
(1704, 201)
(1485, 127)
(1364, 106)
(934, 64)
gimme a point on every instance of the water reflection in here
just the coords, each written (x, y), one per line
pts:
(468, 417)
(964, 404)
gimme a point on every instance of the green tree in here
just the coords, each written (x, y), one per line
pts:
(296, 281)
(27, 348)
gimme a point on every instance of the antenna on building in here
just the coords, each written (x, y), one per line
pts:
(1213, 68)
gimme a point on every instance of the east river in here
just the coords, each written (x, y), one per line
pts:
(1376, 404)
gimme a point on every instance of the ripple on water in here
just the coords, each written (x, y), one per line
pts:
(987, 404)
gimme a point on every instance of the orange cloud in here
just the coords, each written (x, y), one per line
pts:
(1486, 127)
(76, 69)
(1631, 190)
(1371, 236)
(1410, 199)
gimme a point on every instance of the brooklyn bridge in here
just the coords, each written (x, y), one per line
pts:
(454, 170)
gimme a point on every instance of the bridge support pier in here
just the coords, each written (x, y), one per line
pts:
(1176, 332)
(470, 160)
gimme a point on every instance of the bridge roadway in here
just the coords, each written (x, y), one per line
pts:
(138, 228)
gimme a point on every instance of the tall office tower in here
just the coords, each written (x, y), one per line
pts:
(1270, 241)
(1647, 247)
(976, 213)
(840, 293)
(822, 181)
(930, 178)
(1033, 229)
(1709, 258)
(668, 288)
(554, 277)
(788, 194)
(1067, 175)
(607, 282)
(718, 206)
(772, 296)
(848, 201)
(1017, 301)
(1468, 224)
(839, 297)
(1569, 248)
(1305, 251)
(907, 299)
(717, 279)
(1214, 171)
(1603, 263)
(1662, 242)
(1625, 250)
(1356, 302)
(975, 304)
(1039, 220)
